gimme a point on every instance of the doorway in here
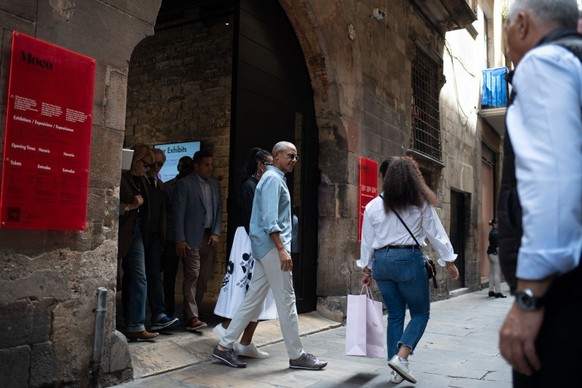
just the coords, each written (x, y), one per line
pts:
(231, 75)
(458, 233)
(488, 190)
(273, 101)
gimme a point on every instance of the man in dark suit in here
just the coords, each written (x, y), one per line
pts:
(197, 217)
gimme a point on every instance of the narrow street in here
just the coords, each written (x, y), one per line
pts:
(458, 349)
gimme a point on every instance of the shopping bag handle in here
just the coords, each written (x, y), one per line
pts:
(368, 292)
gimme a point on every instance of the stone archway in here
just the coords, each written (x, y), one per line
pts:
(335, 70)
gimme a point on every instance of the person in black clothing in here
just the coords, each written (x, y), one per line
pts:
(156, 230)
(170, 259)
(494, 267)
(133, 214)
(240, 264)
(540, 196)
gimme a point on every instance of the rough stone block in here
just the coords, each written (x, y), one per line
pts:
(14, 365)
(332, 307)
(24, 322)
(144, 9)
(115, 98)
(326, 200)
(42, 365)
(23, 9)
(109, 38)
(38, 286)
(119, 358)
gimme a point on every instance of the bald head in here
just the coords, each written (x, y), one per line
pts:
(528, 21)
(285, 156)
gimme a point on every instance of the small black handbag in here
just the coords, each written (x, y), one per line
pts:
(429, 264)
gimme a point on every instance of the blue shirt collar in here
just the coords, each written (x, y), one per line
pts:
(278, 171)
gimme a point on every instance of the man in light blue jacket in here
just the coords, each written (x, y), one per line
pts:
(270, 233)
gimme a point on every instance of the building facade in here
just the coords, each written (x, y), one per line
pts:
(342, 80)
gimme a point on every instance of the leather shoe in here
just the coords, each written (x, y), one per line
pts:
(500, 295)
(140, 335)
(491, 294)
(195, 324)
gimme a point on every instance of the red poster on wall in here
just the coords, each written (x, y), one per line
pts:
(368, 187)
(47, 140)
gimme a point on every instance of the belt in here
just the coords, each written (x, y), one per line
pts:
(400, 246)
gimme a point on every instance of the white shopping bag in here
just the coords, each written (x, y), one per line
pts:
(364, 328)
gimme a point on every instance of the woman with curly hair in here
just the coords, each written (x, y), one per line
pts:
(390, 255)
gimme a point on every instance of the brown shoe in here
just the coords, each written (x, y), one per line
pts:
(195, 324)
(140, 335)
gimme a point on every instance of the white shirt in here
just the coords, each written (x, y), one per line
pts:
(544, 124)
(380, 229)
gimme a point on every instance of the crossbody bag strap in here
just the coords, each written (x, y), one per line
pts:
(406, 226)
(434, 281)
(403, 223)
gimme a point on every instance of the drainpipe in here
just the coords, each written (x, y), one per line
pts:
(99, 339)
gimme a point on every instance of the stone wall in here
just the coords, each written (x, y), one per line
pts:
(179, 89)
(462, 135)
(361, 74)
(49, 279)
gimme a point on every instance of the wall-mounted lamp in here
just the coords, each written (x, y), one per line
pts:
(378, 14)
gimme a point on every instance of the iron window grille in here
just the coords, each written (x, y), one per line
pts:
(425, 106)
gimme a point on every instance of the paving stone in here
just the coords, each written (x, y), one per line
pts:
(458, 349)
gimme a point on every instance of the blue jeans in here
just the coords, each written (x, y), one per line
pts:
(134, 285)
(153, 268)
(402, 280)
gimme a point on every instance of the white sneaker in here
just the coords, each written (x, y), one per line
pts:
(249, 350)
(400, 366)
(395, 378)
(219, 330)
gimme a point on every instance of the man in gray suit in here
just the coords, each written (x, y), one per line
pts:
(197, 214)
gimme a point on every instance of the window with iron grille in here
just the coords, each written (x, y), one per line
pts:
(425, 106)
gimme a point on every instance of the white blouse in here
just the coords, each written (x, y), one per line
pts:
(380, 229)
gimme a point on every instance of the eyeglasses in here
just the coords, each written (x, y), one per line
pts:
(293, 156)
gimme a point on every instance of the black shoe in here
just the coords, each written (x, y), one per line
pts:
(491, 294)
(500, 295)
(228, 357)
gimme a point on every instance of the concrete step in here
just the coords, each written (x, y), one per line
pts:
(178, 348)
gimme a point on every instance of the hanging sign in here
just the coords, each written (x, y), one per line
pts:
(47, 141)
(368, 187)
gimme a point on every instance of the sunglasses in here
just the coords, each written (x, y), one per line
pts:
(159, 164)
(293, 156)
(146, 164)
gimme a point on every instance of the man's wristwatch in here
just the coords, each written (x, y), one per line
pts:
(527, 301)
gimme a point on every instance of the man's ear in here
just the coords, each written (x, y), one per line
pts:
(523, 22)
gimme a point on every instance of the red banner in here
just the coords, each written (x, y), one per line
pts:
(47, 140)
(368, 187)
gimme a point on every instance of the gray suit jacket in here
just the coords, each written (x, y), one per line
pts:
(189, 212)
